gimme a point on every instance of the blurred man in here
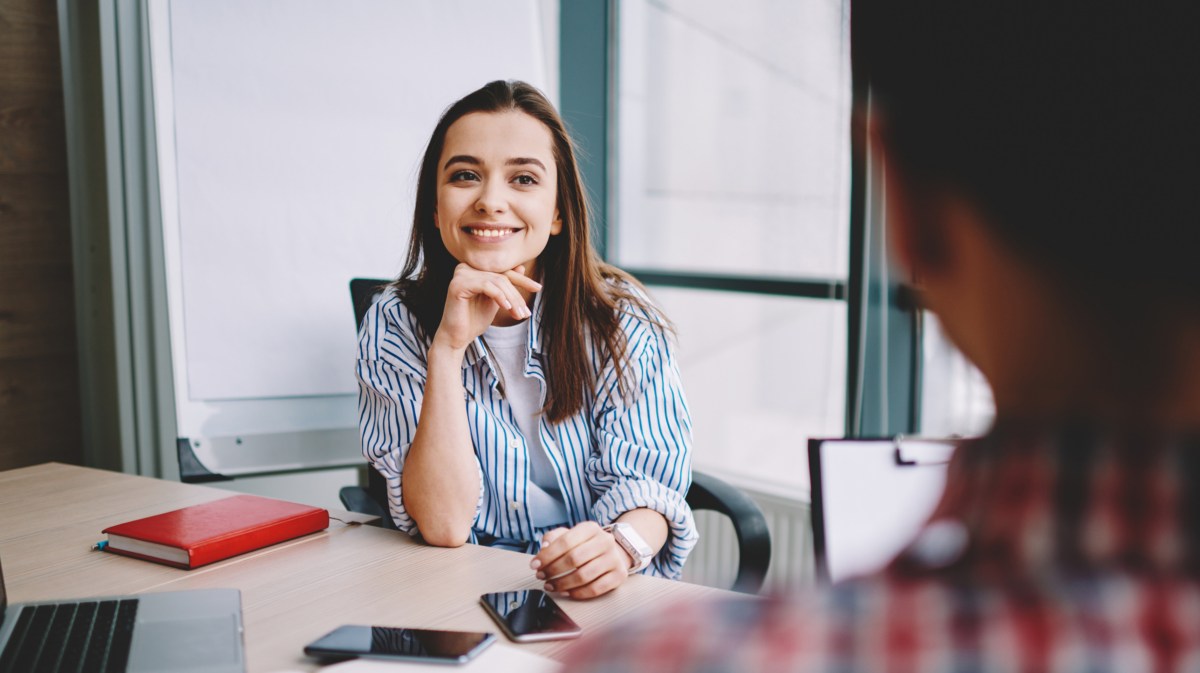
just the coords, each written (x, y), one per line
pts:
(1041, 178)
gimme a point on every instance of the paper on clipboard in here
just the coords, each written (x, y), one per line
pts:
(871, 497)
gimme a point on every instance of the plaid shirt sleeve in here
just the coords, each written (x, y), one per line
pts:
(736, 634)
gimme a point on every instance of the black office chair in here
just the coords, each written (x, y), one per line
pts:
(707, 492)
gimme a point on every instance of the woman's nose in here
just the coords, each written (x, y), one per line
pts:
(491, 198)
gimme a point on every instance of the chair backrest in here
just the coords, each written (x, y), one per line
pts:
(363, 292)
(707, 492)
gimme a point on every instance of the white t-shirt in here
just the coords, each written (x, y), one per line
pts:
(510, 347)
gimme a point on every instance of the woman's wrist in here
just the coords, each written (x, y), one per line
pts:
(441, 351)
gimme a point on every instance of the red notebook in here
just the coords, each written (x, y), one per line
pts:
(201, 534)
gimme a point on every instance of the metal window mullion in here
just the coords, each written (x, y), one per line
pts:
(585, 86)
(855, 299)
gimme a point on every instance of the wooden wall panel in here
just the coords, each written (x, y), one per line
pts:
(39, 373)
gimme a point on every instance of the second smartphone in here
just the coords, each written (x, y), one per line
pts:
(530, 615)
(384, 642)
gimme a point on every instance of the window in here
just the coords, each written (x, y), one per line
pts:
(731, 199)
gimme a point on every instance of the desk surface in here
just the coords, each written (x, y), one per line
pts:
(292, 593)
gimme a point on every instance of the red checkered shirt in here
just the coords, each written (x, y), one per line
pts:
(1081, 553)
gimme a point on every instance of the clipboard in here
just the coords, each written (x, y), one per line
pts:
(870, 497)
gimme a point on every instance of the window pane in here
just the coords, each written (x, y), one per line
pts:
(733, 137)
(955, 398)
(762, 375)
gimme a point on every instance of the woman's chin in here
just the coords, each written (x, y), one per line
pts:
(490, 263)
(491, 267)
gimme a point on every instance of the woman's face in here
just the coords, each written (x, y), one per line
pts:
(497, 191)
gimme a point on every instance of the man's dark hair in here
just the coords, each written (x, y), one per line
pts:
(1073, 126)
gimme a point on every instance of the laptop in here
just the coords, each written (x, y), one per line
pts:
(198, 631)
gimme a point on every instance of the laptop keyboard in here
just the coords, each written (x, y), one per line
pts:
(84, 637)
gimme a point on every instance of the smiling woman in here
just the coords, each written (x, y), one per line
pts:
(515, 390)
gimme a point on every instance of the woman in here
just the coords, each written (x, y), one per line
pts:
(514, 390)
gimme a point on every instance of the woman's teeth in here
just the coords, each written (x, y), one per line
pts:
(490, 233)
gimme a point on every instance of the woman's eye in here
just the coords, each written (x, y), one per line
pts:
(525, 180)
(463, 176)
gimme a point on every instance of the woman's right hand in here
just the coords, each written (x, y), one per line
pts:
(475, 297)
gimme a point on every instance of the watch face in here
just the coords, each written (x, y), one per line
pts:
(627, 536)
(642, 548)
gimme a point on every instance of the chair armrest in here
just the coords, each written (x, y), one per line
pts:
(749, 525)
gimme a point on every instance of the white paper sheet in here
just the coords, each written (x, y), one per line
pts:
(873, 507)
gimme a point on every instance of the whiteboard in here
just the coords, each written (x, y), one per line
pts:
(288, 136)
(867, 508)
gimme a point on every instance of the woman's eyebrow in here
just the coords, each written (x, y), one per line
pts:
(525, 161)
(462, 159)
(515, 161)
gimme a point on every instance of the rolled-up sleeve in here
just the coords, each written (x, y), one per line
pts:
(391, 373)
(644, 457)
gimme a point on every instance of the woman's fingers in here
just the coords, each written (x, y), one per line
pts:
(574, 558)
(606, 566)
(518, 278)
(549, 558)
(588, 572)
(551, 535)
(497, 294)
(500, 287)
(516, 306)
(601, 585)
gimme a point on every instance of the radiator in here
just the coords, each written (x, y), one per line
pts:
(714, 560)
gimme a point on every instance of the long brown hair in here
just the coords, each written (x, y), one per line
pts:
(581, 295)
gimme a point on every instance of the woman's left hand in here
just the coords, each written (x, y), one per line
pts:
(583, 561)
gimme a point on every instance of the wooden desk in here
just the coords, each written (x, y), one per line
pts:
(292, 593)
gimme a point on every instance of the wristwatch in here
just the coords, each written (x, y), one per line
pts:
(633, 544)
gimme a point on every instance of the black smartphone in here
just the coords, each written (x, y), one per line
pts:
(385, 642)
(530, 615)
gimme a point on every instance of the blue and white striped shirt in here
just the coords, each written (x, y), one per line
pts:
(616, 454)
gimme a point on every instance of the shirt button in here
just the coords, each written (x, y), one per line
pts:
(514, 445)
(514, 505)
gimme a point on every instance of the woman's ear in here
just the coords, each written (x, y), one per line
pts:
(556, 224)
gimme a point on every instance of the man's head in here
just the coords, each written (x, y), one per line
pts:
(1066, 134)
